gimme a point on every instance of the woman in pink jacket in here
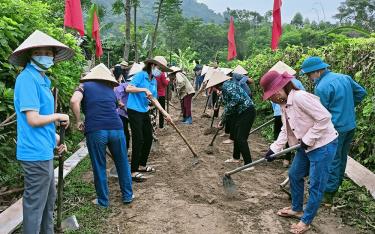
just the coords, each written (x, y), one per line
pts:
(305, 122)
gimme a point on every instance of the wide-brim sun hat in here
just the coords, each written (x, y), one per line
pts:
(216, 77)
(100, 73)
(240, 70)
(161, 62)
(281, 67)
(136, 67)
(21, 56)
(312, 64)
(225, 70)
(273, 81)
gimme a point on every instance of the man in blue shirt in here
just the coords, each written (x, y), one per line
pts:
(340, 94)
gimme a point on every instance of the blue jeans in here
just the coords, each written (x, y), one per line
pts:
(338, 165)
(315, 164)
(97, 142)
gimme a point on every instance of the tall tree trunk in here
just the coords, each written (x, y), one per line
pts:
(135, 34)
(155, 30)
(127, 30)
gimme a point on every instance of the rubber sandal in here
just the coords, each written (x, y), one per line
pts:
(285, 212)
(228, 141)
(138, 177)
(147, 169)
(299, 230)
(232, 160)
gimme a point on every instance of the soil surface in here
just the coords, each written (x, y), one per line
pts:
(180, 198)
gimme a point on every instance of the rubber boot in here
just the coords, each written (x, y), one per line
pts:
(183, 119)
(188, 120)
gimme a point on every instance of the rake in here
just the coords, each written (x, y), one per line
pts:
(228, 183)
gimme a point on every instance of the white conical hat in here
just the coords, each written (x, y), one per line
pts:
(161, 62)
(208, 74)
(101, 73)
(36, 40)
(136, 67)
(205, 69)
(281, 67)
(175, 69)
(216, 77)
(226, 71)
(240, 70)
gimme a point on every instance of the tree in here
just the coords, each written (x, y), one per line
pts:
(118, 7)
(357, 12)
(297, 20)
(163, 7)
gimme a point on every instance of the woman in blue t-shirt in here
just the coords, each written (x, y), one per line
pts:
(36, 132)
(141, 89)
(103, 128)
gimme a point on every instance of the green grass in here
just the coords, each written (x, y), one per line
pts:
(78, 196)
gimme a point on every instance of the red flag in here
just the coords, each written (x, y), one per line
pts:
(73, 16)
(96, 35)
(276, 26)
(232, 53)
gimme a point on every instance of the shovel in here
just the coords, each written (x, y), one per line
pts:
(195, 156)
(284, 189)
(71, 222)
(228, 183)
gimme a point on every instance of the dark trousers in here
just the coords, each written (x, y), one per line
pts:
(186, 105)
(161, 117)
(229, 127)
(140, 124)
(125, 123)
(277, 124)
(241, 130)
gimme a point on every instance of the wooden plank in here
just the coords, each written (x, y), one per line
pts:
(360, 175)
(12, 217)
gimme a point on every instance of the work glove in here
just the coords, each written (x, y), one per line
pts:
(304, 146)
(269, 156)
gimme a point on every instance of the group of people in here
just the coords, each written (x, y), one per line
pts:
(322, 123)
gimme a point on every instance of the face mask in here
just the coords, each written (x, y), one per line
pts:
(41, 63)
(156, 72)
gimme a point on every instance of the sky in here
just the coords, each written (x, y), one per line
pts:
(312, 9)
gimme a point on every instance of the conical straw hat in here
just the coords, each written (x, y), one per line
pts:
(161, 62)
(175, 69)
(205, 69)
(136, 67)
(216, 77)
(281, 67)
(226, 71)
(36, 40)
(240, 70)
(208, 74)
(100, 73)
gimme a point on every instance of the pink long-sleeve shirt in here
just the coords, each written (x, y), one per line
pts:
(162, 83)
(304, 117)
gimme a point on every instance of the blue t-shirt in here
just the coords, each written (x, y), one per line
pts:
(276, 107)
(139, 101)
(32, 93)
(99, 106)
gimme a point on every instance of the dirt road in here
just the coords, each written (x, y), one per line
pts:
(181, 199)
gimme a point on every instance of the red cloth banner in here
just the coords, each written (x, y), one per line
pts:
(73, 16)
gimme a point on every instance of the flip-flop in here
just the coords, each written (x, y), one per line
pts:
(299, 230)
(138, 177)
(232, 160)
(147, 169)
(285, 212)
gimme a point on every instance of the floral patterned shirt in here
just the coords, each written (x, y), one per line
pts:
(235, 99)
